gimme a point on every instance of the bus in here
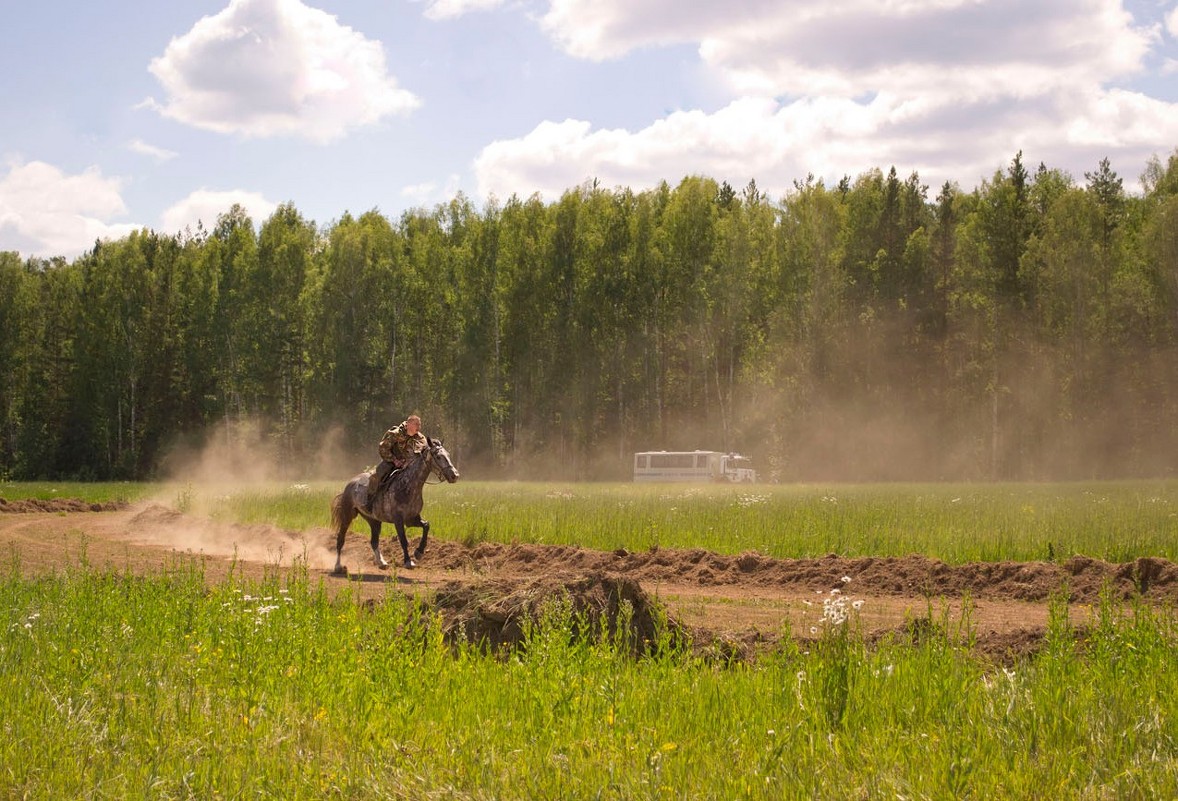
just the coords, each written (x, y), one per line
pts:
(693, 466)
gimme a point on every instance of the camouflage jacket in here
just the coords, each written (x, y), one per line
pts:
(397, 446)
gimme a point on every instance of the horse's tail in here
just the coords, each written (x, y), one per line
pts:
(343, 510)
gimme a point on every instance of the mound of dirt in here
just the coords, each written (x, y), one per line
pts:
(1083, 578)
(31, 505)
(497, 613)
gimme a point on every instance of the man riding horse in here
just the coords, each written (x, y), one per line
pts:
(399, 444)
(392, 492)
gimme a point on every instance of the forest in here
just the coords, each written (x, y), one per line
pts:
(1024, 330)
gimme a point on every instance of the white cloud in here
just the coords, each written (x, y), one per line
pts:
(204, 206)
(611, 28)
(776, 142)
(850, 47)
(749, 138)
(450, 9)
(53, 214)
(264, 68)
(949, 88)
(1172, 22)
(157, 153)
(1120, 119)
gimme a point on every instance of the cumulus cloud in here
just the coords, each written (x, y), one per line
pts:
(775, 142)
(781, 47)
(204, 206)
(49, 213)
(451, 9)
(949, 88)
(611, 28)
(963, 51)
(263, 68)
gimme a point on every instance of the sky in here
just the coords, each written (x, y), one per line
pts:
(133, 114)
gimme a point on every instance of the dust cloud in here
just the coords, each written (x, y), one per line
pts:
(247, 453)
(159, 525)
(198, 474)
(900, 416)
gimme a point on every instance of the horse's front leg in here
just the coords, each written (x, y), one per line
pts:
(400, 524)
(377, 557)
(420, 552)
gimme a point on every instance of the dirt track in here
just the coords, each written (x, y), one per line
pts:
(739, 600)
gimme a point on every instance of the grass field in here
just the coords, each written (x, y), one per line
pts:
(115, 685)
(956, 523)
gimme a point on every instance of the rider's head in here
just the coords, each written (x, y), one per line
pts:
(412, 425)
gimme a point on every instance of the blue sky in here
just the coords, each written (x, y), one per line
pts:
(138, 113)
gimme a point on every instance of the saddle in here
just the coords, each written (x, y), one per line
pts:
(376, 487)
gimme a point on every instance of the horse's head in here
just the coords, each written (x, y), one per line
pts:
(443, 465)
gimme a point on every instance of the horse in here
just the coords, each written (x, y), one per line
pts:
(398, 502)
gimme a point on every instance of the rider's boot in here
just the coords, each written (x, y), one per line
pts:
(383, 475)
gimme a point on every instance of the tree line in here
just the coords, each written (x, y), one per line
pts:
(1022, 330)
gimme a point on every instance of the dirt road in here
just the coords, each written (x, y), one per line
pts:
(737, 600)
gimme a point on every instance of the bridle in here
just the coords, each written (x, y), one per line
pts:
(435, 471)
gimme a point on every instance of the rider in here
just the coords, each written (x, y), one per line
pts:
(399, 444)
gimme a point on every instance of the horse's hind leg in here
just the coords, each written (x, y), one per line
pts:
(342, 513)
(339, 550)
(377, 557)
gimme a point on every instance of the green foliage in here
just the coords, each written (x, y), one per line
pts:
(1021, 330)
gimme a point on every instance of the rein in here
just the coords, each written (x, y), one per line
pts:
(433, 473)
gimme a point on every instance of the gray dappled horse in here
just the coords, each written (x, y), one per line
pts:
(398, 502)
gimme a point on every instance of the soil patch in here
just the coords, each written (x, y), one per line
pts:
(58, 505)
(729, 606)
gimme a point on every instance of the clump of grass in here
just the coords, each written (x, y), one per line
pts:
(184, 498)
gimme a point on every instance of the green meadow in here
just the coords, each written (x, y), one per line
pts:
(115, 685)
(1114, 521)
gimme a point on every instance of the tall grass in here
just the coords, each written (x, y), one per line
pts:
(90, 492)
(118, 686)
(953, 522)
(1115, 521)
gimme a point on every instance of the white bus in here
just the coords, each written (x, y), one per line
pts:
(693, 466)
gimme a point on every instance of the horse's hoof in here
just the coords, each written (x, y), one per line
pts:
(383, 565)
(420, 552)
(410, 563)
(340, 570)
